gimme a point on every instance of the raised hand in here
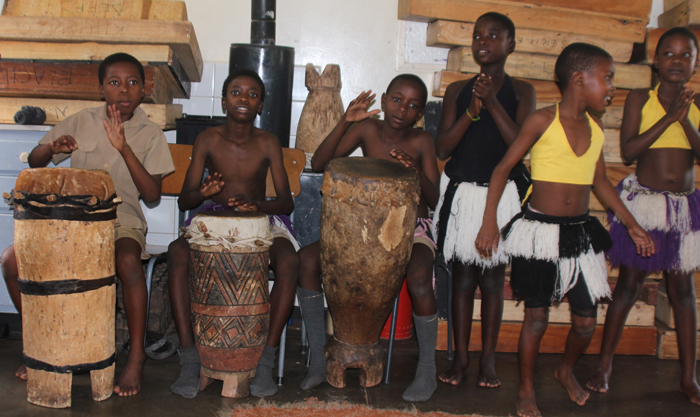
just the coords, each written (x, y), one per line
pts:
(357, 109)
(403, 158)
(485, 91)
(114, 127)
(64, 144)
(243, 202)
(487, 240)
(678, 110)
(212, 185)
(644, 244)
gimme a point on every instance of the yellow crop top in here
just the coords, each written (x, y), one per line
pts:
(674, 136)
(553, 160)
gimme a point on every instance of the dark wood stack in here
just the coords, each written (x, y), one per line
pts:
(52, 63)
(543, 29)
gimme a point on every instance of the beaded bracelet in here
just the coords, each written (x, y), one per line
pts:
(474, 119)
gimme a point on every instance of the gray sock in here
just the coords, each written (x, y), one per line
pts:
(187, 384)
(313, 313)
(262, 383)
(424, 384)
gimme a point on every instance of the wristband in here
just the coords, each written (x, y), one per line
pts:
(474, 119)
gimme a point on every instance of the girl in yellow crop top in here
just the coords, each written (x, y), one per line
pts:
(556, 248)
(659, 131)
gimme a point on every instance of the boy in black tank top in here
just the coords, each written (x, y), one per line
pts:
(480, 118)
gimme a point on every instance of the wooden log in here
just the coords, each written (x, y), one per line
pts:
(664, 311)
(541, 67)
(444, 33)
(641, 314)
(653, 36)
(686, 13)
(180, 36)
(546, 91)
(70, 81)
(105, 9)
(528, 16)
(163, 115)
(668, 342)
(638, 8)
(634, 340)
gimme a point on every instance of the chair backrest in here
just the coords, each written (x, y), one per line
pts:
(294, 161)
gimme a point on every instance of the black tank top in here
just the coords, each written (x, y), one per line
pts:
(482, 146)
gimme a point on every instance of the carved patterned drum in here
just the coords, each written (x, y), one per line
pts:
(64, 245)
(368, 218)
(229, 260)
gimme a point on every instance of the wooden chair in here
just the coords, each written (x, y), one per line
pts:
(294, 161)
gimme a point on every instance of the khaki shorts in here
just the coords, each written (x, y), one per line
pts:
(129, 232)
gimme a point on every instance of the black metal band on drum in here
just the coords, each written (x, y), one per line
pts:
(38, 365)
(67, 286)
(52, 206)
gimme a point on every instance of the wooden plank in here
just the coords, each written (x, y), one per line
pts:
(444, 33)
(541, 67)
(664, 311)
(165, 10)
(156, 55)
(547, 91)
(105, 9)
(686, 13)
(526, 16)
(641, 314)
(180, 36)
(634, 340)
(637, 8)
(653, 36)
(163, 115)
(668, 343)
(65, 80)
(670, 4)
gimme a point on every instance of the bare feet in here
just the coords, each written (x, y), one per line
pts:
(488, 377)
(456, 373)
(599, 382)
(129, 382)
(21, 373)
(576, 391)
(526, 405)
(692, 390)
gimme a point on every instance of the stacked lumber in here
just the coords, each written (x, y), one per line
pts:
(51, 49)
(543, 29)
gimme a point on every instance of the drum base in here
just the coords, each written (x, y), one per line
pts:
(53, 390)
(236, 384)
(341, 356)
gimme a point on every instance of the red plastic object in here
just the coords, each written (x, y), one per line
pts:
(404, 318)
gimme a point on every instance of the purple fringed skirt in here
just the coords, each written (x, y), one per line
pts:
(671, 219)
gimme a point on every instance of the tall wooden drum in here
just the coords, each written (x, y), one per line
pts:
(64, 244)
(368, 218)
(229, 261)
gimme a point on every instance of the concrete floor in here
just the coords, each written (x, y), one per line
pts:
(642, 386)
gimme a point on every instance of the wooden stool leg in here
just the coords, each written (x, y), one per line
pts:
(102, 382)
(236, 385)
(49, 389)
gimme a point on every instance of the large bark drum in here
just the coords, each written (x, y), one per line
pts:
(229, 261)
(64, 244)
(368, 217)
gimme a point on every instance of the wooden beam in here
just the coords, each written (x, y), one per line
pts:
(526, 16)
(163, 115)
(444, 33)
(180, 36)
(670, 4)
(686, 13)
(634, 340)
(541, 67)
(165, 10)
(66, 80)
(547, 91)
(637, 8)
(105, 9)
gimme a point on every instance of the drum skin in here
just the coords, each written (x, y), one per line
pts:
(66, 330)
(368, 218)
